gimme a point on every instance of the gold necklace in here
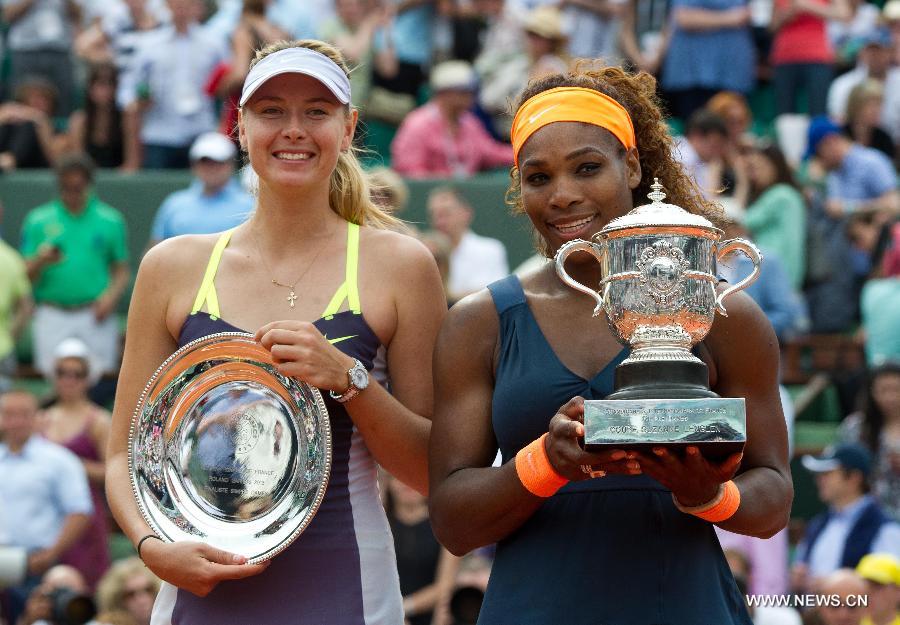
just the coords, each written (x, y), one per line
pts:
(293, 296)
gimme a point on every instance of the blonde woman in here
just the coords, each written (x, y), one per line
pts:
(128, 587)
(315, 233)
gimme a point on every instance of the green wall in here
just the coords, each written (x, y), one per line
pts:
(139, 195)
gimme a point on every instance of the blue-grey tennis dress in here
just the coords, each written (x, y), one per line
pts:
(342, 569)
(607, 551)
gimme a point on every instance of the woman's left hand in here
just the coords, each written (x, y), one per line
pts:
(300, 351)
(692, 478)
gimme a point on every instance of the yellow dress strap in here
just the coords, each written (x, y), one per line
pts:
(349, 290)
(207, 292)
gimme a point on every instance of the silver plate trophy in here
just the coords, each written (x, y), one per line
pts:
(226, 450)
(658, 290)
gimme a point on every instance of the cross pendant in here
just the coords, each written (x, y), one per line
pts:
(291, 298)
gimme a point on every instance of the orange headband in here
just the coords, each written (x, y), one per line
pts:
(571, 104)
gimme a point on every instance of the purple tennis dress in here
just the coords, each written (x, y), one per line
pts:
(342, 569)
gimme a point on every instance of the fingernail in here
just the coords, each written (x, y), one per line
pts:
(617, 455)
(579, 429)
(634, 466)
(693, 451)
(659, 451)
(631, 455)
(238, 559)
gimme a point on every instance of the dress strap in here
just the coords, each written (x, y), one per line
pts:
(507, 292)
(349, 290)
(207, 292)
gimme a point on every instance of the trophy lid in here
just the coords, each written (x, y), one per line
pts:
(659, 213)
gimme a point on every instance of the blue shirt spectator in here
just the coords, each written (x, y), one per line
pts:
(410, 34)
(214, 202)
(864, 174)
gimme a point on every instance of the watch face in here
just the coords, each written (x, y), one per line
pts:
(359, 377)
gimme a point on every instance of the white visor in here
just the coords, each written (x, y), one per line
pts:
(298, 61)
(820, 465)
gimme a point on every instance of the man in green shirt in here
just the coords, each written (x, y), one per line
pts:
(76, 253)
(15, 308)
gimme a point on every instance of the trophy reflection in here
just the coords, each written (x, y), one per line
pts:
(658, 291)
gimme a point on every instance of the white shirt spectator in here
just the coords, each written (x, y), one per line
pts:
(475, 263)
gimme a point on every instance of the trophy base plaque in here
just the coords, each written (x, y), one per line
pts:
(665, 403)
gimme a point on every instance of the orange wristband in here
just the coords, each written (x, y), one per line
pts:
(535, 471)
(721, 508)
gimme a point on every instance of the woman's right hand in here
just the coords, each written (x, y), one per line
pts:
(194, 566)
(565, 451)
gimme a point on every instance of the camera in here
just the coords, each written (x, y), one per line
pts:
(70, 608)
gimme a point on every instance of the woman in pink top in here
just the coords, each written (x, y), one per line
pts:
(802, 56)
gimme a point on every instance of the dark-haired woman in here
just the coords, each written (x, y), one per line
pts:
(776, 210)
(617, 537)
(97, 130)
(877, 426)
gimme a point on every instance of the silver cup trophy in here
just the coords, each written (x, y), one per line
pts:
(658, 291)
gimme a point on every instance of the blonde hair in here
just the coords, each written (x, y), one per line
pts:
(110, 589)
(862, 94)
(349, 193)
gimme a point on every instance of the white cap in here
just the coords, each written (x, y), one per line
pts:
(74, 347)
(298, 61)
(456, 75)
(214, 146)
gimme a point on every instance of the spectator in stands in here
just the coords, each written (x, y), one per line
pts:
(776, 211)
(881, 573)
(443, 138)
(62, 597)
(854, 524)
(82, 427)
(879, 303)
(593, 27)
(858, 179)
(352, 30)
(388, 189)
(802, 56)
(130, 587)
(39, 43)
(405, 46)
(848, 36)
(701, 150)
(873, 62)
(164, 95)
(890, 14)
(97, 129)
(28, 139)
(772, 291)
(253, 32)
(877, 426)
(15, 308)
(644, 33)
(503, 39)
(43, 494)
(116, 35)
(475, 261)
(710, 50)
(848, 588)
(77, 257)
(544, 54)
(214, 202)
(864, 115)
(426, 569)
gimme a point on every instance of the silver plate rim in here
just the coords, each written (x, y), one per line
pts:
(132, 433)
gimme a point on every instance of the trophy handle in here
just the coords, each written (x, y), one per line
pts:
(752, 252)
(563, 253)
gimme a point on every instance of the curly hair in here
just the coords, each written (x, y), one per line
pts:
(637, 93)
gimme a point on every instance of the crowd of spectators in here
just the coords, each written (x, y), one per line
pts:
(788, 114)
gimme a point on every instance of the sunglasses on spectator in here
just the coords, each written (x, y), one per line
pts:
(78, 374)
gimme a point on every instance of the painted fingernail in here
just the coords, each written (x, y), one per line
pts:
(617, 455)
(631, 455)
(693, 451)
(659, 451)
(237, 559)
(634, 466)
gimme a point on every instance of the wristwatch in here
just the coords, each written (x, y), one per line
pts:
(359, 380)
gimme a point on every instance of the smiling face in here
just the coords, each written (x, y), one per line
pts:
(293, 130)
(576, 177)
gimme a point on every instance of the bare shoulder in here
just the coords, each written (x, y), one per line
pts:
(179, 254)
(395, 251)
(472, 323)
